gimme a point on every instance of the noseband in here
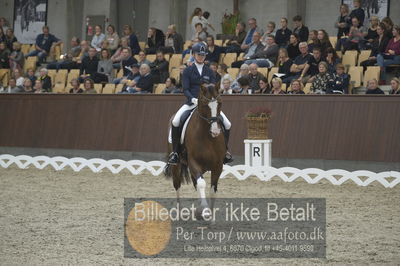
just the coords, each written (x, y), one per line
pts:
(213, 118)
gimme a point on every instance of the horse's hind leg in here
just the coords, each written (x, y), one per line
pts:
(176, 180)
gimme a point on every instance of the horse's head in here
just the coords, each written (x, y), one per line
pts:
(209, 105)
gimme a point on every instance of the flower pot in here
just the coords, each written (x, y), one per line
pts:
(257, 127)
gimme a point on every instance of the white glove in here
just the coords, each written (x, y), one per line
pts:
(194, 101)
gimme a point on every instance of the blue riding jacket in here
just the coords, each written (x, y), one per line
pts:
(191, 81)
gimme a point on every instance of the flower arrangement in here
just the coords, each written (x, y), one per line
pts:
(229, 22)
(259, 112)
(257, 122)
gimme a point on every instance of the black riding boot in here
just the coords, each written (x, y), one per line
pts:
(228, 156)
(174, 157)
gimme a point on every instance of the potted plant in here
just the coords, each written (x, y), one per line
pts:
(229, 22)
(257, 122)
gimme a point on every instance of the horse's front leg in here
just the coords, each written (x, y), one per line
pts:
(215, 174)
(200, 184)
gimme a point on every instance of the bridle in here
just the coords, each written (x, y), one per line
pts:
(213, 118)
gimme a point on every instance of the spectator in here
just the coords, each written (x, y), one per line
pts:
(200, 33)
(356, 36)
(394, 86)
(3, 24)
(89, 65)
(378, 46)
(297, 87)
(19, 79)
(299, 64)
(67, 61)
(389, 26)
(293, 47)
(372, 32)
(284, 63)
(332, 59)
(145, 82)
(214, 69)
(312, 68)
(358, 12)
(45, 44)
(226, 87)
(214, 51)
(320, 84)
(173, 41)
(223, 72)
(233, 44)
(312, 40)
(10, 39)
(266, 57)
(277, 86)
(263, 85)
(181, 69)
(133, 40)
(170, 87)
(254, 77)
(88, 86)
(270, 31)
(98, 38)
(244, 86)
(2, 36)
(254, 48)
(75, 86)
(104, 68)
(12, 87)
(155, 40)
(126, 63)
(132, 78)
(46, 80)
(339, 84)
(343, 23)
(117, 56)
(300, 29)
(243, 72)
(194, 19)
(253, 28)
(142, 59)
(159, 68)
(4, 56)
(38, 87)
(112, 38)
(391, 56)
(105, 45)
(27, 86)
(323, 42)
(372, 87)
(282, 35)
(31, 75)
(205, 22)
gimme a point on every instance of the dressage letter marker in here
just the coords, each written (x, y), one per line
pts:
(257, 152)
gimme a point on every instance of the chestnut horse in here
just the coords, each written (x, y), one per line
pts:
(203, 148)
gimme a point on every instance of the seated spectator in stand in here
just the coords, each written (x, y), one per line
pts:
(173, 41)
(358, 12)
(45, 44)
(343, 23)
(372, 32)
(38, 87)
(293, 47)
(98, 38)
(372, 87)
(214, 69)
(46, 80)
(12, 87)
(200, 32)
(320, 84)
(389, 26)
(394, 86)
(2, 35)
(270, 31)
(356, 39)
(253, 28)
(31, 75)
(132, 78)
(297, 87)
(331, 59)
(143, 59)
(391, 56)
(76, 62)
(4, 56)
(89, 65)
(312, 68)
(243, 72)
(284, 63)
(170, 87)
(179, 84)
(88, 86)
(66, 61)
(155, 40)
(117, 56)
(145, 82)
(244, 86)
(300, 29)
(323, 42)
(223, 72)
(214, 51)
(266, 57)
(234, 43)
(263, 85)
(299, 64)
(104, 45)
(254, 77)
(226, 87)
(125, 64)
(27, 86)
(159, 68)
(104, 68)
(133, 40)
(340, 81)
(196, 17)
(277, 87)
(19, 79)
(10, 39)
(282, 35)
(75, 86)
(112, 38)
(252, 50)
(312, 40)
(378, 46)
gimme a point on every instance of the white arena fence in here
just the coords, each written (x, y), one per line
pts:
(388, 179)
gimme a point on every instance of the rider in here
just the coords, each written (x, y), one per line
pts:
(192, 78)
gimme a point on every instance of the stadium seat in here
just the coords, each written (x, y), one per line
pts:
(142, 45)
(25, 48)
(333, 40)
(364, 55)
(349, 59)
(221, 58)
(151, 57)
(187, 44)
(120, 73)
(233, 72)
(59, 88)
(160, 87)
(372, 72)
(307, 88)
(355, 73)
(339, 54)
(52, 74)
(240, 57)
(218, 42)
(32, 48)
(272, 71)
(264, 71)
(119, 88)
(175, 73)
(284, 87)
(98, 87)
(61, 77)
(73, 74)
(229, 58)
(4, 76)
(109, 89)
(175, 61)
(30, 62)
(186, 58)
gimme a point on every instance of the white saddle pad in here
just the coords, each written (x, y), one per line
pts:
(183, 130)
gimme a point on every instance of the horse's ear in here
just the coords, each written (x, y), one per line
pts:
(203, 88)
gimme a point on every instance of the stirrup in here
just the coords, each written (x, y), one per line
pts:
(228, 158)
(173, 158)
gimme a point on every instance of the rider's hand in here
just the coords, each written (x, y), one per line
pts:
(194, 101)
